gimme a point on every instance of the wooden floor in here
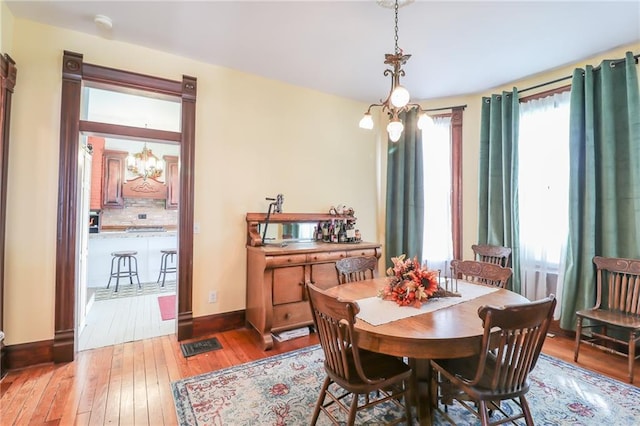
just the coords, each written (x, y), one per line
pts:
(114, 321)
(129, 383)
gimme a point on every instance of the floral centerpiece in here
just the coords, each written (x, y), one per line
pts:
(411, 284)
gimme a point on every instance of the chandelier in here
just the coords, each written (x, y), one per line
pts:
(398, 99)
(145, 164)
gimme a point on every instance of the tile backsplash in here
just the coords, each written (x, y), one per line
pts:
(155, 211)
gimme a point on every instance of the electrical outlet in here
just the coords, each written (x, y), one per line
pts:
(196, 228)
(213, 296)
(142, 216)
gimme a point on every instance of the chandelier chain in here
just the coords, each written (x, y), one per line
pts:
(396, 27)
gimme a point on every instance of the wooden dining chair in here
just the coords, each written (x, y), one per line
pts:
(511, 343)
(378, 378)
(617, 310)
(356, 268)
(498, 255)
(481, 272)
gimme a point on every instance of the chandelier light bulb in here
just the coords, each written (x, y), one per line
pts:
(366, 122)
(424, 121)
(395, 128)
(400, 97)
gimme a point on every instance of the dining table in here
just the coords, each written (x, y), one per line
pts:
(443, 327)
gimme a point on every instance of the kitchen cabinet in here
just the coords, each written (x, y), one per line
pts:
(113, 179)
(277, 274)
(172, 180)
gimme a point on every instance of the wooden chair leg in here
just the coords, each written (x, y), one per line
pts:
(528, 418)
(578, 334)
(353, 409)
(323, 391)
(483, 412)
(632, 354)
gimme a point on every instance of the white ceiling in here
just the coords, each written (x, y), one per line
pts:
(338, 47)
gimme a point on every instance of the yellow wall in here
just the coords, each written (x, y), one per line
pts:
(254, 138)
(6, 29)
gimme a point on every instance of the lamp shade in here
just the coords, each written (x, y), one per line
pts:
(395, 128)
(366, 122)
(424, 120)
(400, 97)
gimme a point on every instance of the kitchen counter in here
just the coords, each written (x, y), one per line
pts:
(130, 234)
(147, 244)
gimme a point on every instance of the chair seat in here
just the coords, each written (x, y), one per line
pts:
(376, 366)
(620, 319)
(467, 367)
(124, 253)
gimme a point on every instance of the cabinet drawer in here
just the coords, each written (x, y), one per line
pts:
(326, 256)
(291, 259)
(291, 313)
(362, 252)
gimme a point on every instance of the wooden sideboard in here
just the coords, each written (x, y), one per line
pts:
(276, 276)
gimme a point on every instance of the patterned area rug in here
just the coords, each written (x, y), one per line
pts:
(127, 290)
(282, 390)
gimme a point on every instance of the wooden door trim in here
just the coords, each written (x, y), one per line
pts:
(74, 71)
(8, 75)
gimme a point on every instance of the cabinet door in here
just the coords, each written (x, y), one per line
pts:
(288, 284)
(172, 180)
(114, 163)
(324, 275)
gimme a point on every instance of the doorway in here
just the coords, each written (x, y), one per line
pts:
(113, 310)
(75, 73)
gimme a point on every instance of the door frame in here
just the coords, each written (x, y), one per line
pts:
(74, 72)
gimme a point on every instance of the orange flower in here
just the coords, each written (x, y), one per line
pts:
(410, 283)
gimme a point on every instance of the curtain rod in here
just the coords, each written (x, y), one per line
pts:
(571, 76)
(443, 108)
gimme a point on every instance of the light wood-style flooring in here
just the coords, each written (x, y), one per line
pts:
(129, 383)
(115, 321)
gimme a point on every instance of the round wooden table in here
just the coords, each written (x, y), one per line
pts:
(452, 332)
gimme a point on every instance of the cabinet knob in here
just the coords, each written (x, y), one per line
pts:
(287, 315)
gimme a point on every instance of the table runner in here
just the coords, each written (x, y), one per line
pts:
(376, 311)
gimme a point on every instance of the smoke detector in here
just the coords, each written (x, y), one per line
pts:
(103, 22)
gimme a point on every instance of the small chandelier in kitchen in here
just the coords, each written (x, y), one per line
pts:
(398, 99)
(145, 164)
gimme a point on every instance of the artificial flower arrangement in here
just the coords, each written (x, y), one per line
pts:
(411, 284)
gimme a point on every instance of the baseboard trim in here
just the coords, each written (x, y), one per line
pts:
(216, 323)
(42, 352)
(28, 354)
(554, 327)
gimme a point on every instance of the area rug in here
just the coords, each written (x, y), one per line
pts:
(128, 290)
(199, 347)
(167, 306)
(282, 390)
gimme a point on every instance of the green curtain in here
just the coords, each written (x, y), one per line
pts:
(498, 177)
(405, 192)
(604, 191)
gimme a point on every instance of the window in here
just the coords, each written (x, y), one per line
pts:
(131, 108)
(437, 159)
(543, 190)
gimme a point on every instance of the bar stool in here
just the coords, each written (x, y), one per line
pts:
(164, 269)
(123, 258)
